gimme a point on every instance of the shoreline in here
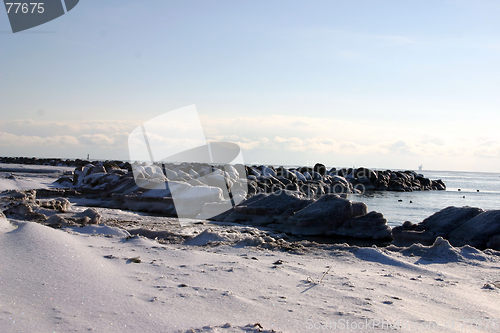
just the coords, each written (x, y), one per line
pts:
(115, 270)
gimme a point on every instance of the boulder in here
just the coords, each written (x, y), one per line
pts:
(23, 211)
(266, 171)
(59, 204)
(370, 226)
(88, 216)
(440, 224)
(445, 221)
(265, 209)
(494, 242)
(478, 231)
(320, 168)
(327, 213)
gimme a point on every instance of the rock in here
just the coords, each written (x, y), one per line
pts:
(157, 205)
(494, 242)
(316, 176)
(327, 213)
(266, 209)
(88, 216)
(320, 168)
(27, 195)
(438, 185)
(57, 221)
(477, 231)
(288, 175)
(59, 204)
(215, 209)
(366, 173)
(440, 224)
(370, 226)
(299, 176)
(266, 171)
(78, 176)
(445, 221)
(98, 169)
(24, 211)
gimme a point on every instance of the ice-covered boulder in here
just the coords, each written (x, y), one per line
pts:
(440, 224)
(153, 204)
(88, 216)
(478, 231)
(326, 214)
(266, 172)
(59, 204)
(370, 226)
(270, 208)
(24, 211)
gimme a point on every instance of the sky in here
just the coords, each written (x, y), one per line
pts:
(381, 84)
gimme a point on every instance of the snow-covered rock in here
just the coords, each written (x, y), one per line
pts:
(266, 209)
(326, 214)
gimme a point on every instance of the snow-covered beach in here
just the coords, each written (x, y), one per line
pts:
(222, 277)
(97, 279)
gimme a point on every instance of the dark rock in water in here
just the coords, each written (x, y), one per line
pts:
(272, 208)
(438, 185)
(366, 173)
(303, 170)
(370, 226)
(327, 213)
(478, 231)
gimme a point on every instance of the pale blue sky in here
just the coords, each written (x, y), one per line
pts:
(387, 84)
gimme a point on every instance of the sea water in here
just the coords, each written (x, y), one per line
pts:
(461, 190)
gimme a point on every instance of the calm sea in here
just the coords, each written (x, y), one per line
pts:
(426, 203)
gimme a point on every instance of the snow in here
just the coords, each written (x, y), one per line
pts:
(84, 279)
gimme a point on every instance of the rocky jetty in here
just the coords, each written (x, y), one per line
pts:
(459, 225)
(312, 181)
(300, 201)
(60, 162)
